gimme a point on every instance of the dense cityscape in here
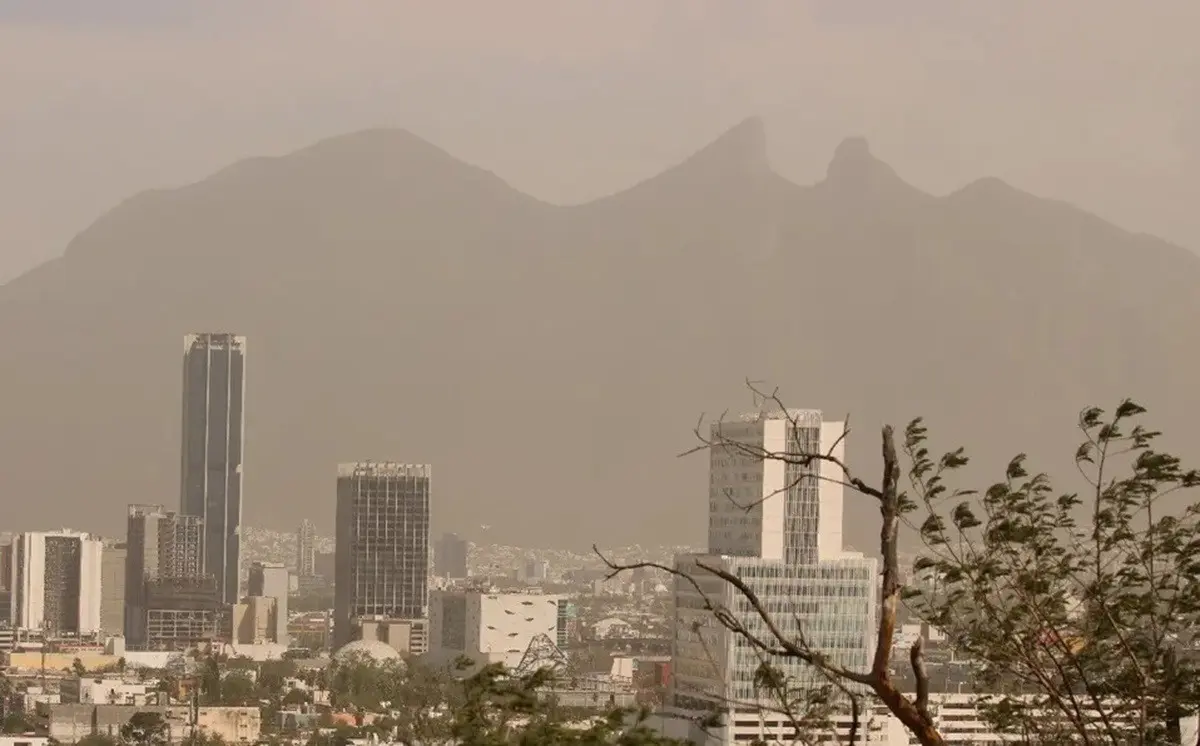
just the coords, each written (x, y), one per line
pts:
(99, 631)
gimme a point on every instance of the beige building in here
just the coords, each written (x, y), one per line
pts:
(408, 636)
(254, 621)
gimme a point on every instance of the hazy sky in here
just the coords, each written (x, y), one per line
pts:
(1092, 101)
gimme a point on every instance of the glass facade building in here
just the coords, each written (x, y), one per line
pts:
(214, 377)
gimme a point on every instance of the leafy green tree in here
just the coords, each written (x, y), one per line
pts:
(7, 692)
(499, 708)
(1081, 607)
(146, 728)
(296, 697)
(238, 690)
(201, 738)
(271, 675)
(16, 722)
(362, 682)
(422, 697)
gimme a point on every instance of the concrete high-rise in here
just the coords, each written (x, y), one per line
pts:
(214, 394)
(270, 580)
(159, 545)
(382, 545)
(306, 550)
(776, 524)
(56, 582)
(112, 588)
(795, 512)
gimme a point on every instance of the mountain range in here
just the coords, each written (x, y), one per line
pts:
(551, 361)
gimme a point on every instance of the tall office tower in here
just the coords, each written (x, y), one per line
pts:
(270, 580)
(382, 547)
(777, 526)
(6, 559)
(159, 545)
(797, 511)
(56, 582)
(214, 395)
(306, 550)
(112, 588)
(450, 557)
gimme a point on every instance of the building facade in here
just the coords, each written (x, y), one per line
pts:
(270, 580)
(214, 392)
(775, 522)
(112, 588)
(56, 582)
(382, 546)
(181, 612)
(495, 627)
(159, 544)
(306, 550)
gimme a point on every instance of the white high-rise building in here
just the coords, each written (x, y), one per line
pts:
(769, 508)
(776, 523)
(56, 582)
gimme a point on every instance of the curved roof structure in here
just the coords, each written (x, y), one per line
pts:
(373, 649)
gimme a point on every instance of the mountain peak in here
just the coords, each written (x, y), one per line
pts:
(855, 168)
(743, 147)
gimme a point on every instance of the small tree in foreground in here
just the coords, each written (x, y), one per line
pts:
(1078, 609)
(435, 706)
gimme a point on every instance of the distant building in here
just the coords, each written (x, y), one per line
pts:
(254, 620)
(382, 545)
(450, 557)
(495, 627)
(536, 571)
(325, 564)
(56, 579)
(270, 580)
(112, 589)
(181, 612)
(159, 545)
(6, 560)
(214, 396)
(306, 550)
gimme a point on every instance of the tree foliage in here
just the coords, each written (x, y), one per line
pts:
(489, 707)
(146, 728)
(1080, 607)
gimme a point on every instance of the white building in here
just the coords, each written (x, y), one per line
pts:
(493, 627)
(56, 577)
(102, 691)
(776, 523)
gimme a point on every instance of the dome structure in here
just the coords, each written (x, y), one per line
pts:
(373, 650)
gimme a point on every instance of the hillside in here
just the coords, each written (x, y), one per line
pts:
(551, 361)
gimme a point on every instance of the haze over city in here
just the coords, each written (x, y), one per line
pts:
(564, 372)
(1092, 105)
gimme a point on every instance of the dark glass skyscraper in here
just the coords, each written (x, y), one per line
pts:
(214, 370)
(450, 557)
(382, 546)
